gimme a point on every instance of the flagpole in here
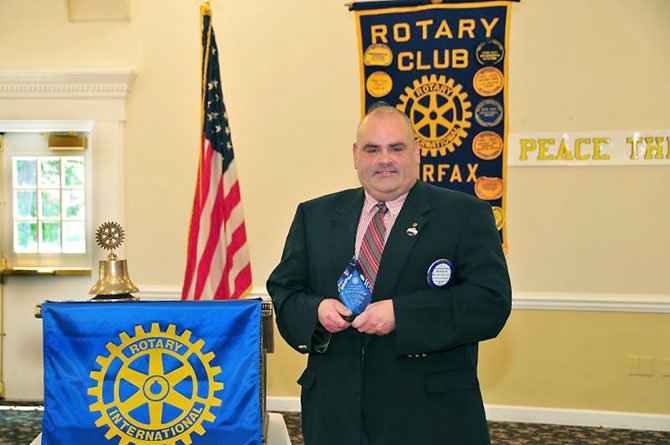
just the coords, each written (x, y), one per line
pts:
(204, 11)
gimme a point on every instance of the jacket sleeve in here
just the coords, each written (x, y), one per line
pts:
(295, 304)
(473, 309)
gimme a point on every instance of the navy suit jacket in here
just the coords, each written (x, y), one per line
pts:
(418, 384)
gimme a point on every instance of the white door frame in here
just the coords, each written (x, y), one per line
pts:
(43, 99)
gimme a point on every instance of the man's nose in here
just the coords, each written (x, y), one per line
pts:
(386, 157)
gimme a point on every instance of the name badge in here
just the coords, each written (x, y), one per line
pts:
(354, 289)
(441, 273)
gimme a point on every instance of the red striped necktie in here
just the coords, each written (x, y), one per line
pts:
(373, 244)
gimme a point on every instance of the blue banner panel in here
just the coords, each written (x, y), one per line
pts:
(152, 373)
(445, 66)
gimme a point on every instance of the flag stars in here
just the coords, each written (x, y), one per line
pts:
(213, 84)
(228, 130)
(229, 146)
(218, 128)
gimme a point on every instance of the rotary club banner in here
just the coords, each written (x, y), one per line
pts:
(152, 373)
(445, 66)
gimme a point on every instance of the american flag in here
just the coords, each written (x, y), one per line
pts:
(217, 263)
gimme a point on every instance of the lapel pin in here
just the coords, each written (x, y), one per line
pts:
(412, 231)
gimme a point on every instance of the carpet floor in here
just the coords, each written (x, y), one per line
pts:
(21, 427)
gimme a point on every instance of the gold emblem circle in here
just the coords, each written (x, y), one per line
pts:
(487, 145)
(378, 54)
(488, 188)
(499, 215)
(379, 84)
(488, 81)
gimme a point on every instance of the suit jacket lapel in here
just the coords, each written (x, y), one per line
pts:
(399, 243)
(343, 230)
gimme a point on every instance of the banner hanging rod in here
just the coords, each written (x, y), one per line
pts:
(361, 6)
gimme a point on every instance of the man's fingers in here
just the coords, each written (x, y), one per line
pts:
(342, 309)
(334, 321)
(377, 319)
(330, 313)
(336, 326)
(360, 320)
(339, 321)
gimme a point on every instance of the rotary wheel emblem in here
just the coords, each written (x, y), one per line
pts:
(155, 388)
(109, 235)
(439, 111)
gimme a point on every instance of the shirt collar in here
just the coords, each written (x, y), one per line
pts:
(394, 206)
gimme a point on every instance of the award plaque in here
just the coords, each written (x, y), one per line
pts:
(354, 289)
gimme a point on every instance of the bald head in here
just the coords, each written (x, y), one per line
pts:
(386, 154)
(381, 112)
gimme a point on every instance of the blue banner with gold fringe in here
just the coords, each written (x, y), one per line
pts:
(445, 66)
(152, 373)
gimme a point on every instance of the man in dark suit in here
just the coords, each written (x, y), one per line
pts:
(404, 371)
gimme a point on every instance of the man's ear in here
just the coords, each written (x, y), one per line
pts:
(417, 151)
(355, 153)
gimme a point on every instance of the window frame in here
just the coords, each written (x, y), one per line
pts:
(35, 261)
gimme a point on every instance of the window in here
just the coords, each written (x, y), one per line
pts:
(47, 206)
(49, 195)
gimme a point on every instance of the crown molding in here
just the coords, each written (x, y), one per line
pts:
(76, 84)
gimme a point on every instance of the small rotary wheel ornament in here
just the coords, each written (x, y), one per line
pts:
(109, 236)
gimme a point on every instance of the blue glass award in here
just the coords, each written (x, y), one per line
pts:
(355, 290)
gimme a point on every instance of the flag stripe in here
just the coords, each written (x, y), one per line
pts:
(209, 245)
(237, 257)
(211, 188)
(242, 281)
(191, 257)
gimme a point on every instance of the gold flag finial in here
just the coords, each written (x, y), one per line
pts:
(205, 8)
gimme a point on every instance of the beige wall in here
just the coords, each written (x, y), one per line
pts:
(290, 78)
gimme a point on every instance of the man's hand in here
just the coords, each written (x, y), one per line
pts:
(378, 318)
(331, 313)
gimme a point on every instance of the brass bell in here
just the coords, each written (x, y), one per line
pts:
(113, 280)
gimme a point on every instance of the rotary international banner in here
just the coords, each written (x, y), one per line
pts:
(445, 66)
(152, 373)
